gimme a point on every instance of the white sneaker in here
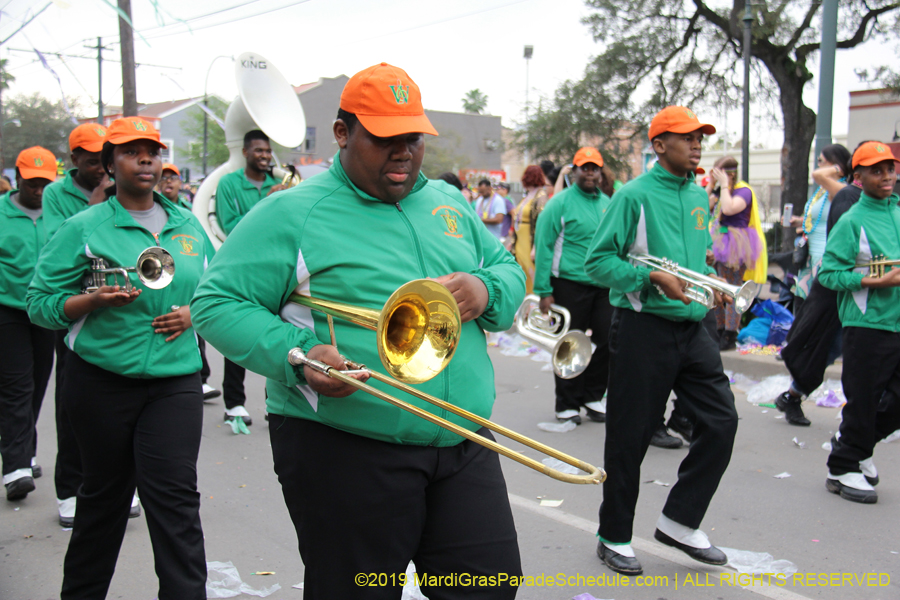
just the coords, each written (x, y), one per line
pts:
(209, 392)
(569, 415)
(135, 510)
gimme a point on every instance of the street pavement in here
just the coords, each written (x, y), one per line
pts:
(834, 544)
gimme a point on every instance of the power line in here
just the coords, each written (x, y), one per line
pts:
(242, 18)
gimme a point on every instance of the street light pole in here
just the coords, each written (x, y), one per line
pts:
(826, 74)
(206, 106)
(529, 51)
(748, 41)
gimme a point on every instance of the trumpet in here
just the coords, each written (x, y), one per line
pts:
(155, 267)
(417, 333)
(570, 351)
(701, 288)
(877, 266)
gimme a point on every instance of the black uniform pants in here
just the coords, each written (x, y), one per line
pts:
(26, 359)
(67, 476)
(871, 381)
(144, 432)
(204, 369)
(233, 384)
(649, 357)
(364, 508)
(811, 338)
(590, 309)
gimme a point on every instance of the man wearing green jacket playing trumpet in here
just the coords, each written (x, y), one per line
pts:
(370, 487)
(658, 344)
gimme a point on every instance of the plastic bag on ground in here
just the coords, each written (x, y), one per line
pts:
(745, 561)
(562, 467)
(563, 427)
(224, 581)
(411, 589)
(768, 389)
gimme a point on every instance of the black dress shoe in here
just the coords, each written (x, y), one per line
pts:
(595, 415)
(626, 565)
(18, 489)
(36, 471)
(67, 522)
(790, 406)
(710, 556)
(663, 439)
(851, 493)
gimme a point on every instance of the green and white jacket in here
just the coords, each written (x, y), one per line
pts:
(659, 214)
(563, 235)
(870, 228)
(21, 240)
(329, 239)
(121, 339)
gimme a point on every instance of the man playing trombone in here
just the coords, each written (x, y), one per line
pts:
(658, 344)
(370, 487)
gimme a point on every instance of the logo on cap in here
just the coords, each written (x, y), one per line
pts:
(38, 161)
(139, 126)
(401, 94)
(879, 149)
(99, 131)
(690, 113)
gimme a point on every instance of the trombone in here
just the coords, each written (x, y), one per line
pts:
(155, 267)
(570, 351)
(877, 266)
(701, 288)
(417, 332)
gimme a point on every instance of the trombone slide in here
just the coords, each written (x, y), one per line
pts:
(594, 475)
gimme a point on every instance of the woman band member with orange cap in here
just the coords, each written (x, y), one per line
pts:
(26, 354)
(133, 386)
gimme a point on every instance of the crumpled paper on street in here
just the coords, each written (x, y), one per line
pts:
(745, 561)
(830, 394)
(563, 427)
(224, 581)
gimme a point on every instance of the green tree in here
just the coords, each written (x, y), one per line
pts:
(6, 77)
(688, 52)
(35, 121)
(443, 154)
(474, 102)
(192, 127)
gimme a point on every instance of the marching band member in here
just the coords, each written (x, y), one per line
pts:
(26, 354)
(563, 235)
(236, 194)
(357, 233)
(658, 344)
(81, 187)
(870, 315)
(133, 383)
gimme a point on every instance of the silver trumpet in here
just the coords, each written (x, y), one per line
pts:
(155, 267)
(701, 288)
(570, 351)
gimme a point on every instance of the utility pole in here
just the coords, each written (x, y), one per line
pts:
(529, 52)
(748, 42)
(826, 74)
(100, 48)
(126, 39)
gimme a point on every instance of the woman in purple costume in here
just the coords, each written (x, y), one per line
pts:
(736, 245)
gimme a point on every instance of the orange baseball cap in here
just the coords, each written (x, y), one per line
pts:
(128, 129)
(677, 119)
(171, 167)
(871, 153)
(386, 101)
(88, 136)
(588, 155)
(36, 162)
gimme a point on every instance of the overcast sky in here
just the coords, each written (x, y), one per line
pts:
(447, 47)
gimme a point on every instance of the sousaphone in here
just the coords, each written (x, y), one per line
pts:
(267, 102)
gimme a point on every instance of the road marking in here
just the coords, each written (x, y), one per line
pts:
(648, 547)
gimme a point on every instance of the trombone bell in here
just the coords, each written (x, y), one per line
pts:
(417, 329)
